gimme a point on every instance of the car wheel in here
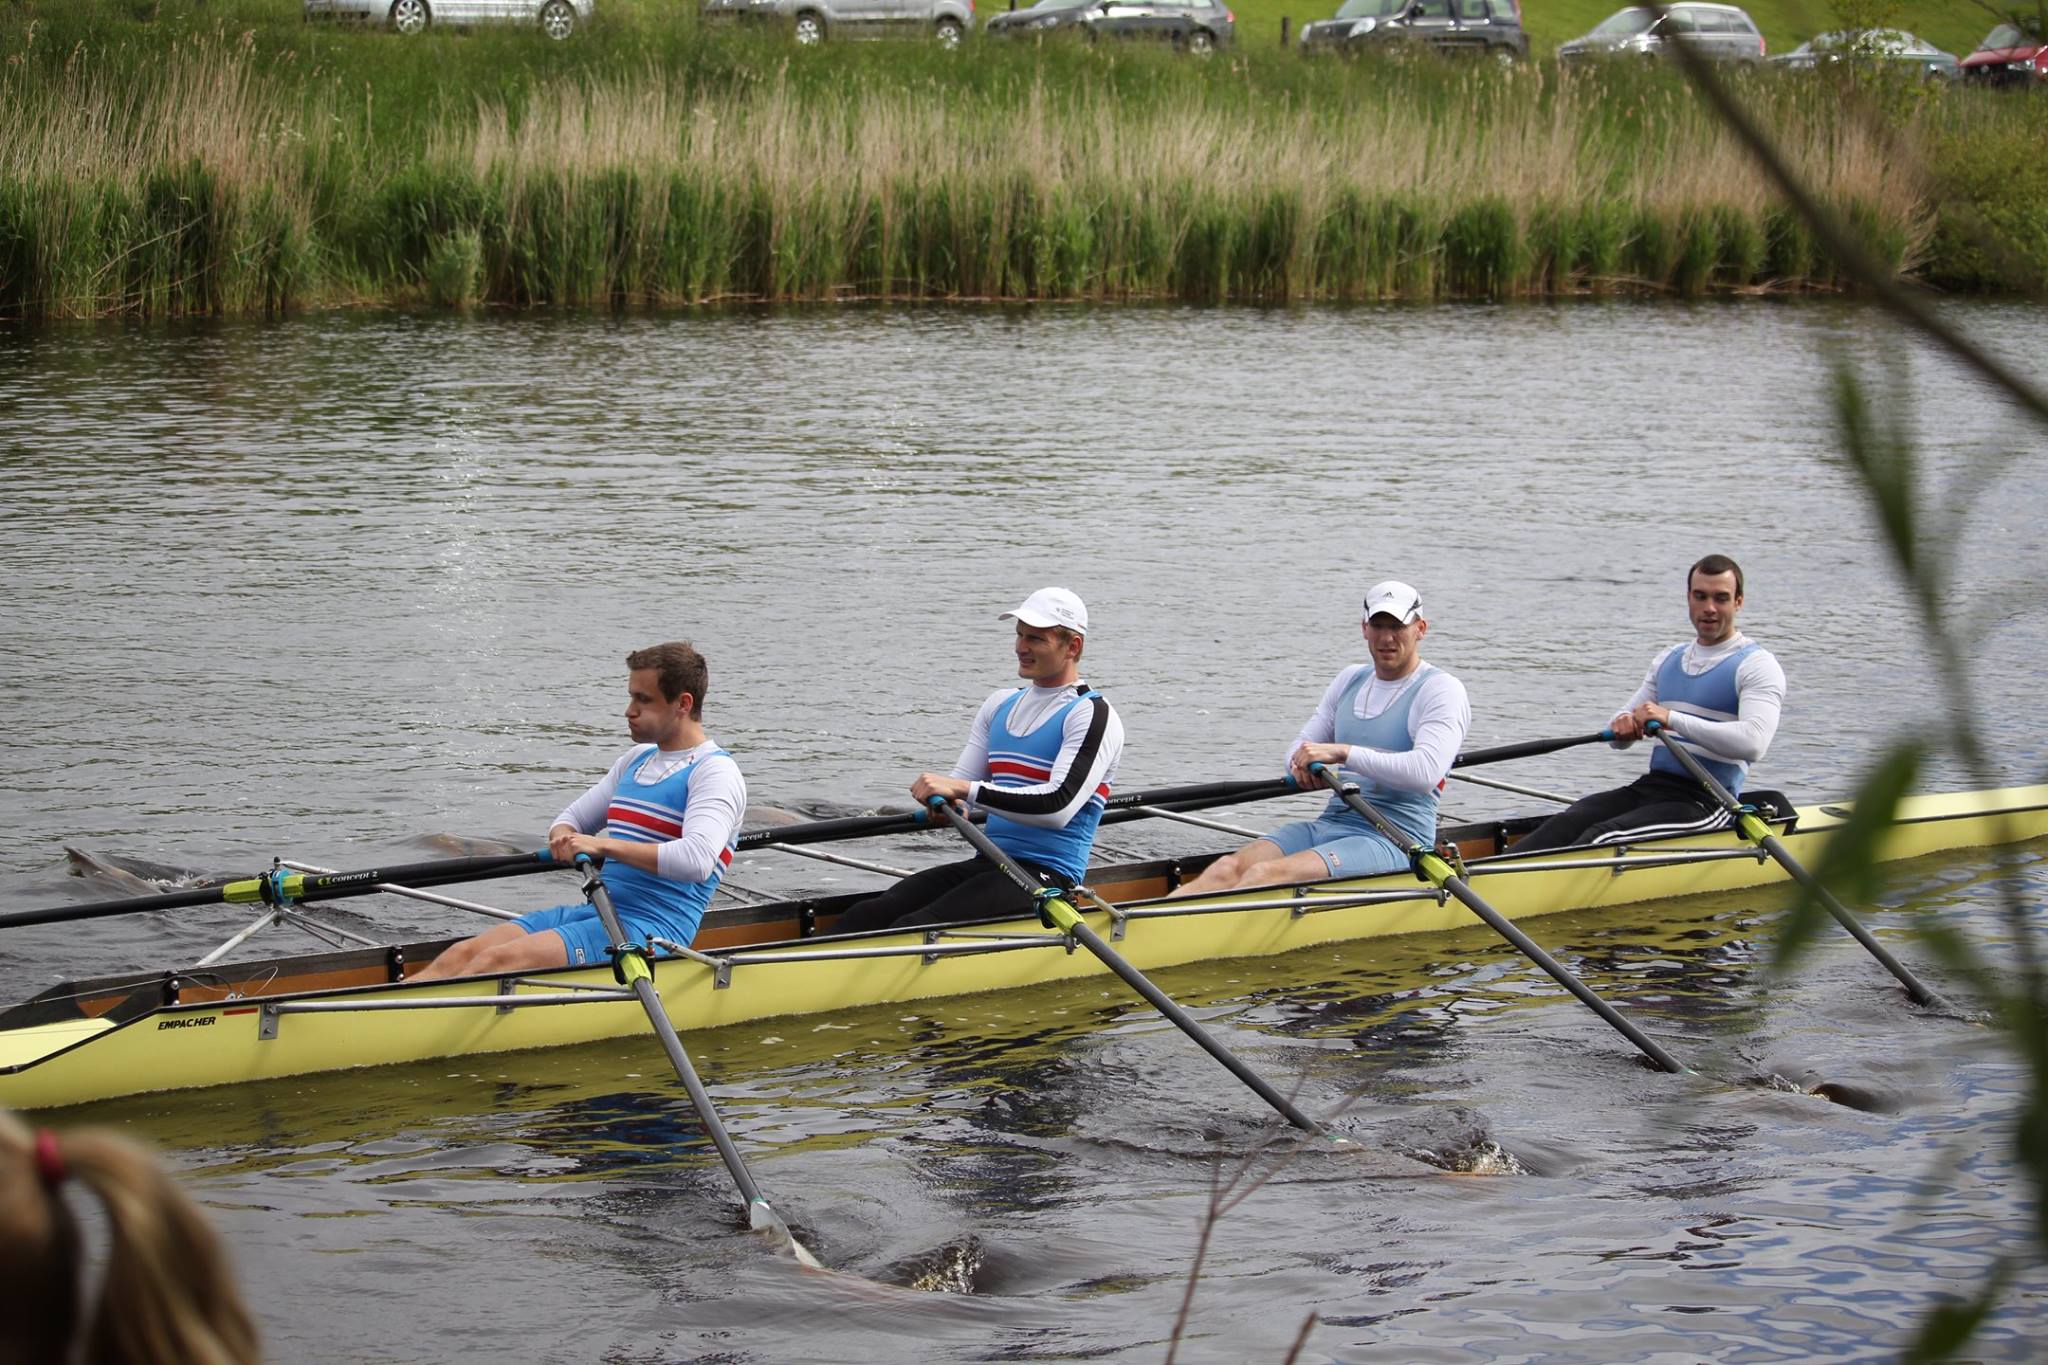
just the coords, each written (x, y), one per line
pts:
(810, 30)
(1201, 42)
(557, 19)
(949, 33)
(409, 16)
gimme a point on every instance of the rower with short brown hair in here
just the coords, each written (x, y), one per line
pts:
(1719, 694)
(665, 820)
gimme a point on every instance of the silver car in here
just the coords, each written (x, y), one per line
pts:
(1720, 33)
(813, 21)
(556, 18)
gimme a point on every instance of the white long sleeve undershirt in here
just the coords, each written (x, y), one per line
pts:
(1759, 689)
(718, 802)
(1077, 770)
(1437, 723)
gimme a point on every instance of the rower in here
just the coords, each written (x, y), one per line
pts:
(1719, 694)
(1394, 725)
(664, 819)
(1039, 760)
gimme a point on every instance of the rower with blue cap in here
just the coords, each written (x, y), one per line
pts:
(1393, 726)
(1039, 761)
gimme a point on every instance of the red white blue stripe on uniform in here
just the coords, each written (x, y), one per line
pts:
(636, 821)
(1008, 768)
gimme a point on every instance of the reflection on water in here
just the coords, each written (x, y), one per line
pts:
(357, 587)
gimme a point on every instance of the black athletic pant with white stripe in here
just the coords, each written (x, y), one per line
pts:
(947, 894)
(1654, 804)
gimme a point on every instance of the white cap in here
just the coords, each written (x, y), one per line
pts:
(1393, 598)
(1051, 607)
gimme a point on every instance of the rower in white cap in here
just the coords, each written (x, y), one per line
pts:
(1039, 761)
(1393, 726)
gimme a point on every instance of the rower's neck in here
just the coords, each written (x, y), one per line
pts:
(688, 736)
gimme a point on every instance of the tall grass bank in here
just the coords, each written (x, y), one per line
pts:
(225, 171)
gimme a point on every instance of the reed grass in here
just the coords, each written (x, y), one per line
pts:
(224, 176)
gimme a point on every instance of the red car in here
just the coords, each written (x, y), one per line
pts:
(2008, 56)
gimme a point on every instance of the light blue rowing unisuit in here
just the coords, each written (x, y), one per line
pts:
(1026, 760)
(1414, 812)
(1711, 695)
(649, 906)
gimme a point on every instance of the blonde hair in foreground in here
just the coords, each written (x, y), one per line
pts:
(165, 1297)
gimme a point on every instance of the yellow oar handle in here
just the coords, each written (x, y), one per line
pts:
(1055, 913)
(1430, 866)
(272, 888)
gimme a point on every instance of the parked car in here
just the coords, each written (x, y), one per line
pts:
(1889, 48)
(1721, 32)
(2009, 55)
(1482, 27)
(556, 18)
(813, 21)
(1196, 25)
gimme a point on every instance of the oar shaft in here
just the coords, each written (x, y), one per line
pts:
(1752, 827)
(1527, 749)
(1462, 891)
(1110, 958)
(270, 887)
(1190, 797)
(657, 1017)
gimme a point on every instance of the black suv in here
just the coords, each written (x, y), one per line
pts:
(1491, 28)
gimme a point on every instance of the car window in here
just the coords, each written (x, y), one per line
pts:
(2005, 35)
(1371, 9)
(1503, 11)
(1624, 23)
(1472, 9)
(1717, 21)
(1679, 21)
(1433, 9)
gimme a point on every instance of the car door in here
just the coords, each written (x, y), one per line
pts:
(1677, 26)
(1175, 20)
(1432, 22)
(1124, 18)
(897, 16)
(1472, 22)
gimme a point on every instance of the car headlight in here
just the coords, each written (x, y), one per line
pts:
(1047, 22)
(1363, 26)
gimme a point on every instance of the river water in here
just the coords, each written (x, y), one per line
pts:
(355, 588)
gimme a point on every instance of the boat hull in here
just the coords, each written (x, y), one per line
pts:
(331, 1012)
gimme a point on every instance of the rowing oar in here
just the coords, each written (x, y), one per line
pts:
(288, 888)
(1055, 912)
(1752, 827)
(1527, 749)
(1122, 806)
(1431, 867)
(1192, 797)
(629, 965)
